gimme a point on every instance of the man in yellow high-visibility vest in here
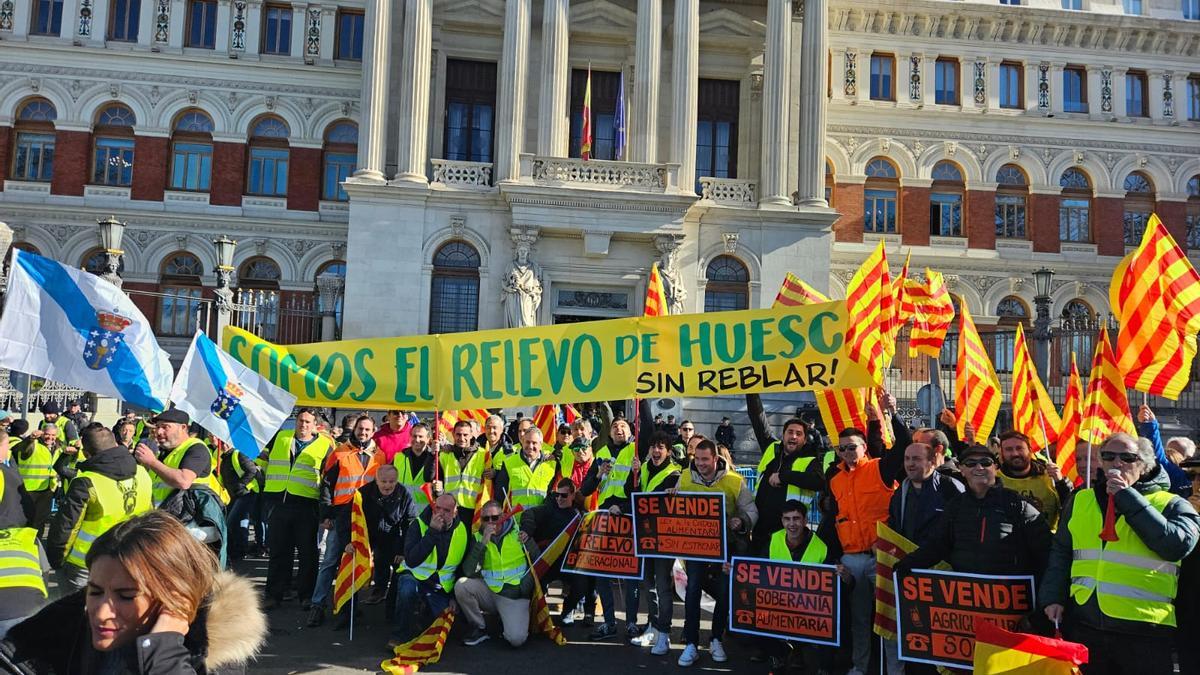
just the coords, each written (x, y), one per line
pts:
(184, 461)
(35, 457)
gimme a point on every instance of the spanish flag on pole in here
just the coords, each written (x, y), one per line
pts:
(998, 651)
(585, 143)
(354, 572)
(656, 296)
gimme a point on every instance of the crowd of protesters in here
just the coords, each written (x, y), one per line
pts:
(79, 496)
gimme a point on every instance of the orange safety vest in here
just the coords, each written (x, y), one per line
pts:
(862, 501)
(351, 475)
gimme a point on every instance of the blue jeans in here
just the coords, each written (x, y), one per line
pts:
(705, 577)
(237, 523)
(604, 588)
(327, 572)
(413, 595)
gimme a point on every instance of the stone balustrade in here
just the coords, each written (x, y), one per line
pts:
(600, 174)
(729, 191)
(462, 175)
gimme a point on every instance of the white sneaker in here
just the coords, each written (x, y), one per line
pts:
(662, 645)
(717, 651)
(646, 639)
(689, 655)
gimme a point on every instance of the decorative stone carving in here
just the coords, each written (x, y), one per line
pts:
(162, 22)
(6, 15)
(918, 147)
(260, 246)
(1014, 151)
(85, 18)
(155, 96)
(523, 283)
(850, 77)
(338, 249)
(192, 96)
(237, 39)
(732, 191)
(75, 89)
(312, 34)
(914, 78)
(1043, 99)
(270, 102)
(756, 85)
(668, 246)
(1168, 95)
(731, 242)
(1078, 158)
(1015, 284)
(980, 83)
(951, 148)
(885, 144)
(1106, 91)
(181, 240)
(458, 226)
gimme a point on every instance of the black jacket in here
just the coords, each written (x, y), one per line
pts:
(927, 506)
(16, 506)
(998, 534)
(116, 463)
(234, 484)
(725, 436)
(228, 631)
(547, 521)
(386, 515)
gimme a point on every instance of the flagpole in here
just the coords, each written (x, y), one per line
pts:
(353, 571)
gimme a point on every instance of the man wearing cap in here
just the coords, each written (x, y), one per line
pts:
(109, 488)
(67, 431)
(35, 458)
(184, 462)
(76, 415)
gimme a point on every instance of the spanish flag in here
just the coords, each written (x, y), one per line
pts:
(422, 650)
(585, 144)
(1000, 652)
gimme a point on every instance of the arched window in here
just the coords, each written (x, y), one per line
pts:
(24, 246)
(341, 157)
(1139, 204)
(1192, 219)
(268, 166)
(262, 275)
(454, 295)
(180, 284)
(728, 285)
(945, 201)
(112, 162)
(880, 196)
(1075, 206)
(259, 272)
(829, 182)
(1078, 331)
(1012, 310)
(1012, 193)
(191, 151)
(34, 156)
(96, 262)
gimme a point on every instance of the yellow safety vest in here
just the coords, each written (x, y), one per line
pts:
(111, 502)
(447, 572)
(504, 565)
(303, 478)
(1039, 491)
(173, 459)
(499, 455)
(767, 458)
(410, 480)
(463, 484)
(528, 487)
(730, 484)
(37, 472)
(647, 484)
(61, 423)
(1130, 581)
(614, 483)
(237, 469)
(20, 565)
(814, 552)
(807, 497)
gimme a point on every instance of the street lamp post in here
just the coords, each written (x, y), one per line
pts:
(111, 233)
(329, 290)
(223, 293)
(1042, 279)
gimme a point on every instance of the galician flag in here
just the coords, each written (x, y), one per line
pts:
(73, 327)
(236, 404)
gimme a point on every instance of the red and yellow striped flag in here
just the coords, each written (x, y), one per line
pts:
(448, 418)
(869, 305)
(895, 314)
(485, 493)
(1155, 292)
(354, 572)
(546, 419)
(585, 144)
(422, 650)
(1106, 406)
(656, 296)
(539, 611)
(932, 312)
(840, 408)
(976, 388)
(1033, 411)
(555, 548)
(1068, 431)
(890, 548)
(1001, 652)
(795, 292)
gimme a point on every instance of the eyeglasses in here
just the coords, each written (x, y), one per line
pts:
(1126, 457)
(848, 447)
(985, 462)
(490, 519)
(562, 495)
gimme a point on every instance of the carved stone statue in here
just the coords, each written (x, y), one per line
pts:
(667, 246)
(522, 286)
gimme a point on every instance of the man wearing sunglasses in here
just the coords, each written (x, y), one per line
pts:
(543, 524)
(1116, 596)
(497, 578)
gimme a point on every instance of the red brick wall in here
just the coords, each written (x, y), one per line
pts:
(1041, 218)
(914, 216)
(981, 219)
(1173, 215)
(228, 174)
(6, 137)
(1107, 228)
(150, 168)
(72, 156)
(304, 179)
(848, 200)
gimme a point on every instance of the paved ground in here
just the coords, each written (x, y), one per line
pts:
(293, 648)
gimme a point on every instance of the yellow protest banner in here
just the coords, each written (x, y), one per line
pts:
(767, 350)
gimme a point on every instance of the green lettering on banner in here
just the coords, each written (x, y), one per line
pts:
(792, 335)
(759, 330)
(702, 342)
(556, 361)
(648, 340)
(462, 359)
(363, 373)
(817, 334)
(426, 391)
(510, 373)
(403, 365)
(730, 353)
(525, 348)
(577, 361)
(487, 362)
(626, 348)
(272, 373)
(327, 374)
(235, 348)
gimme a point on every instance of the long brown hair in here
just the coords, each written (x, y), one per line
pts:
(165, 560)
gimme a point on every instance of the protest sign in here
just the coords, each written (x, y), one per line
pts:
(687, 525)
(936, 612)
(603, 547)
(788, 600)
(782, 349)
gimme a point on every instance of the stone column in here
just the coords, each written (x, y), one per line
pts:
(1118, 92)
(814, 45)
(1154, 94)
(643, 139)
(510, 100)
(553, 123)
(299, 22)
(775, 103)
(414, 92)
(1055, 73)
(221, 41)
(685, 77)
(373, 99)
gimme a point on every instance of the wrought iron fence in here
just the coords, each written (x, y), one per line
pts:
(12, 394)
